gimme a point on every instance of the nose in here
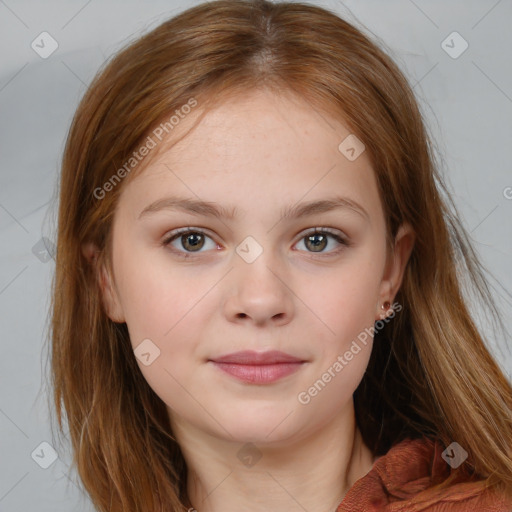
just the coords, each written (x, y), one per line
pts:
(259, 292)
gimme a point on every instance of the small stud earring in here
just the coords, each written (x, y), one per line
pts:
(386, 306)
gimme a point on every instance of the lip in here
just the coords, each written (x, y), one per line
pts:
(251, 357)
(258, 367)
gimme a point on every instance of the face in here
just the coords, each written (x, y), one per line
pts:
(246, 272)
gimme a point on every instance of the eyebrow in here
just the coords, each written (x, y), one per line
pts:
(212, 209)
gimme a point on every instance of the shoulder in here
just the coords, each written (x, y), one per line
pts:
(414, 476)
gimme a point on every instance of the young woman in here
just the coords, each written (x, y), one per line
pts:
(257, 302)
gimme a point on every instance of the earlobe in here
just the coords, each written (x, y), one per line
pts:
(107, 289)
(90, 252)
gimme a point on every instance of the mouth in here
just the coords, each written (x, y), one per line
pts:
(258, 367)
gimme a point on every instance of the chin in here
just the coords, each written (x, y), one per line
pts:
(259, 428)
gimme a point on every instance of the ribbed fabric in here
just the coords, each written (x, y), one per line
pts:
(403, 480)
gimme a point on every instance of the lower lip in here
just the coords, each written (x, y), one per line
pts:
(258, 374)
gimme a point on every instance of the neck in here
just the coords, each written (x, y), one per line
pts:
(311, 473)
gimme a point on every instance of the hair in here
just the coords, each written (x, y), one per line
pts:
(430, 373)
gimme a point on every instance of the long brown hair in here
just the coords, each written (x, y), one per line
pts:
(430, 373)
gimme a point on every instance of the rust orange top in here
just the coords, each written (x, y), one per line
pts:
(403, 480)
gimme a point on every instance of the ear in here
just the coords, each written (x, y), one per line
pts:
(395, 267)
(106, 284)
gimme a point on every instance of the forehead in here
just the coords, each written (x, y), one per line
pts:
(256, 147)
(262, 124)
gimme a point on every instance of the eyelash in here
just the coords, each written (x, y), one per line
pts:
(188, 230)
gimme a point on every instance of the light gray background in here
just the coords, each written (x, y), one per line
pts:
(467, 101)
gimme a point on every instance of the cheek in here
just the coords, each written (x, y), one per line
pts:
(346, 306)
(343, 301)
(158, 299)
(166, 319)
(171, 307)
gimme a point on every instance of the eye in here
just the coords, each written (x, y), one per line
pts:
(317, 240)
(190, 239)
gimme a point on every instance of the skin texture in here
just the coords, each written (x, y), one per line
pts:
(258, 153)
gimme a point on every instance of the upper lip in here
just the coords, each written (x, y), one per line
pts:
(251, 357)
